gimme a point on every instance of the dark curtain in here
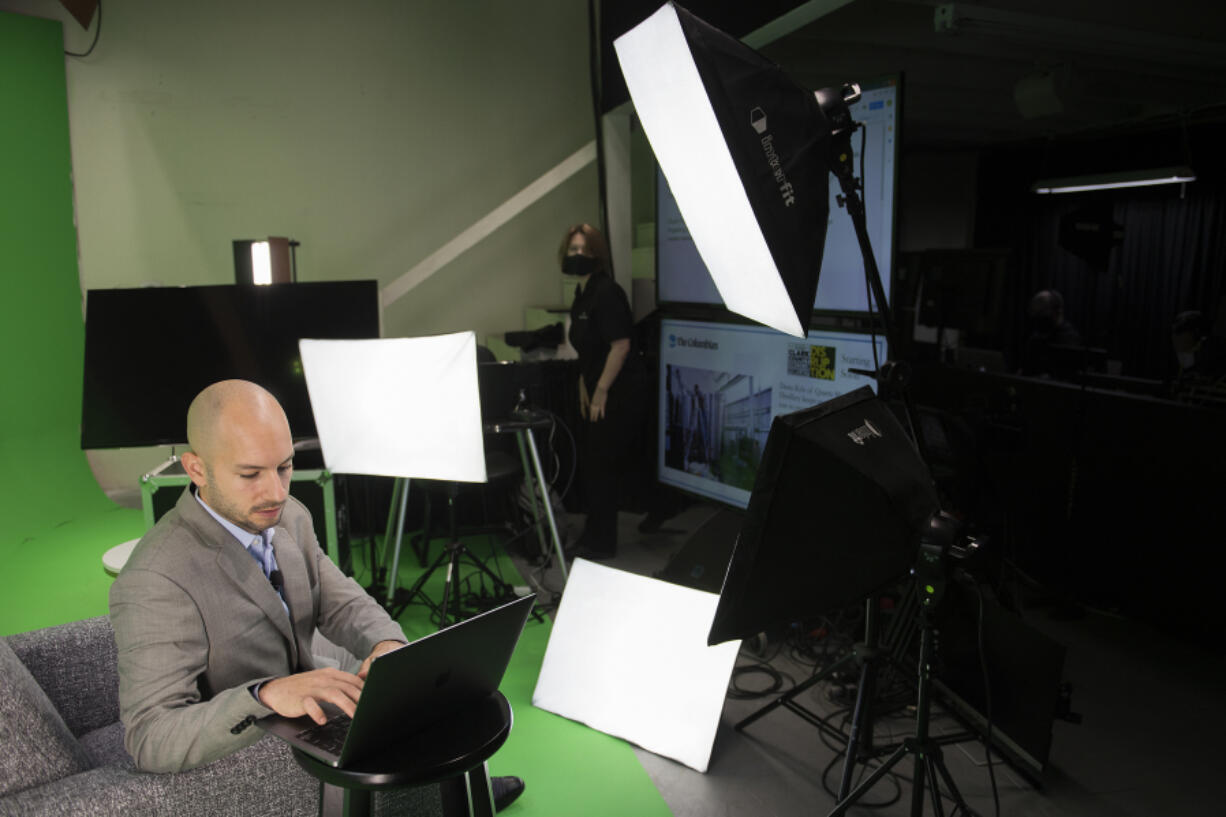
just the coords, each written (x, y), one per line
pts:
(1171, 257)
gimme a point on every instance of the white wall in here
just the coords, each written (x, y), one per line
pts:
(372, 131)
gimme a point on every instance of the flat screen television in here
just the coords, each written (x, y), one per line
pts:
(682, 278)
(721, 385)
(149, 351)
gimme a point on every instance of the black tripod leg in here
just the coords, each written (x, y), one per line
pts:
(937, 761)
(865, 693)
(861, 721)
(917, 786)
(787, 697)
(934, 791)
(499, 582)
(453, 551)
(878, 773)
(416, 589)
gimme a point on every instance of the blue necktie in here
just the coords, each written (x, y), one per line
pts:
(263, 554)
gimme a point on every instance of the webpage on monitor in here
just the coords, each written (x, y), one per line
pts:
(722, 384)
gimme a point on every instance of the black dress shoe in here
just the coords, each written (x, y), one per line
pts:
(505, 790)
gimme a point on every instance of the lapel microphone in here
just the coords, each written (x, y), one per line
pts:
(278, 584)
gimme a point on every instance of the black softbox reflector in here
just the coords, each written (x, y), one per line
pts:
(835, 514)
(777, 138)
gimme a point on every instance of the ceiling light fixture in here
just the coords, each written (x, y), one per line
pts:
(265, 261)
(1109, 181)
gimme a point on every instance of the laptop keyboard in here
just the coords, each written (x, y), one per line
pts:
(330, 735)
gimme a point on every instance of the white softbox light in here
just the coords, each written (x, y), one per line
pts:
(628, 657)
(744, 151)
(398, 407)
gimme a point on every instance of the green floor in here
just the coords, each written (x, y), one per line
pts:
(51, 550)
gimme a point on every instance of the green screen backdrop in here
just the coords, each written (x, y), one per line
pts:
(55, 522)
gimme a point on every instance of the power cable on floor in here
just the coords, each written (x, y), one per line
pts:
(741, 693)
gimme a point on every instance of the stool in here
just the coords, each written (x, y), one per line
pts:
(452, 752)
(115, 558)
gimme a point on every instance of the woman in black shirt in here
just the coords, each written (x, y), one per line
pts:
(611, 382)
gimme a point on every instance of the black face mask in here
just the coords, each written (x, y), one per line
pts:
(579, 265)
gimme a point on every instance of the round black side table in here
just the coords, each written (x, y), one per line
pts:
(451, 752)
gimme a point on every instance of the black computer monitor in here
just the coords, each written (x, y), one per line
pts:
(149, 351)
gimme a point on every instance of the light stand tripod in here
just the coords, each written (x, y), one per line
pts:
(834, 102)
(451, 554)
(930, 577)
(890, 375)
(874, 653)
(867, 653)
(365, 395)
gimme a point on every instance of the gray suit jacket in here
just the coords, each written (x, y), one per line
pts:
(196, 623)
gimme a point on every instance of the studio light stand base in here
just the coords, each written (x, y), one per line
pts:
(929, 759)
(930, 581)
(875, 655)
(867, 654)
(451, 554)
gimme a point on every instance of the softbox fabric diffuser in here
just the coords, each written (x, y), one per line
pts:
(627, 657)
(744, 151)
(835, 513)
(398, 407)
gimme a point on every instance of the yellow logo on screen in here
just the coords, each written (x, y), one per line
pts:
(821, 362)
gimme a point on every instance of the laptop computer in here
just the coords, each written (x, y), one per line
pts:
(413, 686)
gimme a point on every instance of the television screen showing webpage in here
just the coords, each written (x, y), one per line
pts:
(721, 386)
(682, 277)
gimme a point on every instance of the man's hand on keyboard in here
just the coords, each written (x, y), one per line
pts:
(296, 695)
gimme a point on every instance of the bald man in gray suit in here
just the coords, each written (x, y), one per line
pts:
(207, 643)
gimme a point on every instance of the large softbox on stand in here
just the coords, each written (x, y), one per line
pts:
(744, 150)
(837, 503)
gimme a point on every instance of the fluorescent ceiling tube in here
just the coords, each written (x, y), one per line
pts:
(1109, 181)
(744, 152)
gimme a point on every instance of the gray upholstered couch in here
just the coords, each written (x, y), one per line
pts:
(61, 745)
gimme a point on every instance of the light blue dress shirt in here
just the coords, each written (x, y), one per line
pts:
(246, 538)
